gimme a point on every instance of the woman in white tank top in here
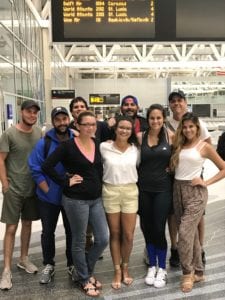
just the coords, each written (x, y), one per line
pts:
(190, 194)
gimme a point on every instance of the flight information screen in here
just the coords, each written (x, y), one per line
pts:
(100, 99)
(103, 20)
(137, 20)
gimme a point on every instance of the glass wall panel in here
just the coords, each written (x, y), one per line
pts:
(58, 71)
(7, 81)
(6, 43)
(5, 10)
(21, 54)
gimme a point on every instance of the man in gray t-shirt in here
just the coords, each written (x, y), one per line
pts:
(19, 200)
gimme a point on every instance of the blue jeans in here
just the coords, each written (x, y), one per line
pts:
(80, 213)
(49, 214)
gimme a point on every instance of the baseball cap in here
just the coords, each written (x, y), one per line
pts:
(29, 103)
(59, 110)
(177, 93)
(123, 101)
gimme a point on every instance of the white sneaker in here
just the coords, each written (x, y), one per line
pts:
(6, 281)
(27, 265)
(150, 278)
(161, 278)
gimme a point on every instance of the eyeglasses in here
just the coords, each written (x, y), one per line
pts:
(125, 128)
(88, 124)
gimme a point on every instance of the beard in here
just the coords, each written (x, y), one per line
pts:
(62, 132)
(30, 124)
(128, 113)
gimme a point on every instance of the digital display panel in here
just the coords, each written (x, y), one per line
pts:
(104, 99)
(201, 110)
(138, 20)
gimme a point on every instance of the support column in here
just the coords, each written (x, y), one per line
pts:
(47, 74)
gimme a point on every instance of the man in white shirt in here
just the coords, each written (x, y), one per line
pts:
(178, 106)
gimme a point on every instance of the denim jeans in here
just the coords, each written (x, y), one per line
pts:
(80, 213)
(49, 214)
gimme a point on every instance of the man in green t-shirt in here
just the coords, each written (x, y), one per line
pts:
(19, 200)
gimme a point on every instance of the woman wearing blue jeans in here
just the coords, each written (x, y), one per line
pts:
(82, 201)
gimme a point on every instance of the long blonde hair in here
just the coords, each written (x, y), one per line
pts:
(180, 140)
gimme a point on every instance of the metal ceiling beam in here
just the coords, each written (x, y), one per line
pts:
(215, 51)
(194, 57)
(70, 53)
(46, 11)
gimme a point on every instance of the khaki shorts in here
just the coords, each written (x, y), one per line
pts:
(120, 198)
(15, 207)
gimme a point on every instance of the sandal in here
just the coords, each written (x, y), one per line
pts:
(89, 289)
(127, 280)
(95, 283)
(116, 284)
(199, 278)
(187, 282)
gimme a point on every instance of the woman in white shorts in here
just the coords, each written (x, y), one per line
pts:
(120, 195)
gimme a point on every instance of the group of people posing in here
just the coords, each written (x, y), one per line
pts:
(99, 175)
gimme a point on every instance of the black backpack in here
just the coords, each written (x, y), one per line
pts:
(47, 141)
(221, 146)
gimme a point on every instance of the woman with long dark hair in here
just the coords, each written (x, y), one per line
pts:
(155, 192)
(120, 195)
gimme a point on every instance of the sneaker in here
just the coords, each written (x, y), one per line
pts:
(174, 258)
(145, 257)
(27, 265)
(150, 278)
(70, 270)
(203, 258)
(46, 274)
(161, 278)
(6, 281)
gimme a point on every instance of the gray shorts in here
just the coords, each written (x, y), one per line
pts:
(15, 207)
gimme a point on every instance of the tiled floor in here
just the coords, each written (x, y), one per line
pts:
(26, 286)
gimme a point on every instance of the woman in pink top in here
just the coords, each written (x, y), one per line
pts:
(190, 194)
(82, 189)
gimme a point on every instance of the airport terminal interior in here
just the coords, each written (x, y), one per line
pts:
(43, 58)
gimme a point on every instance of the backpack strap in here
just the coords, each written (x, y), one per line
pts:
(47, 144)
(169, 126)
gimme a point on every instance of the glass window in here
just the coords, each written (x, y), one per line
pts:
(7, 76)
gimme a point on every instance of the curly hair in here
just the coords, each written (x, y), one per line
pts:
(180, 139)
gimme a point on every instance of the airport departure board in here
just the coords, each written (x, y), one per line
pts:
(104, 99)
(137, 20)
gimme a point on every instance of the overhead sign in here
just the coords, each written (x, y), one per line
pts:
(63, 94)
(138, 20)
(104, 99)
